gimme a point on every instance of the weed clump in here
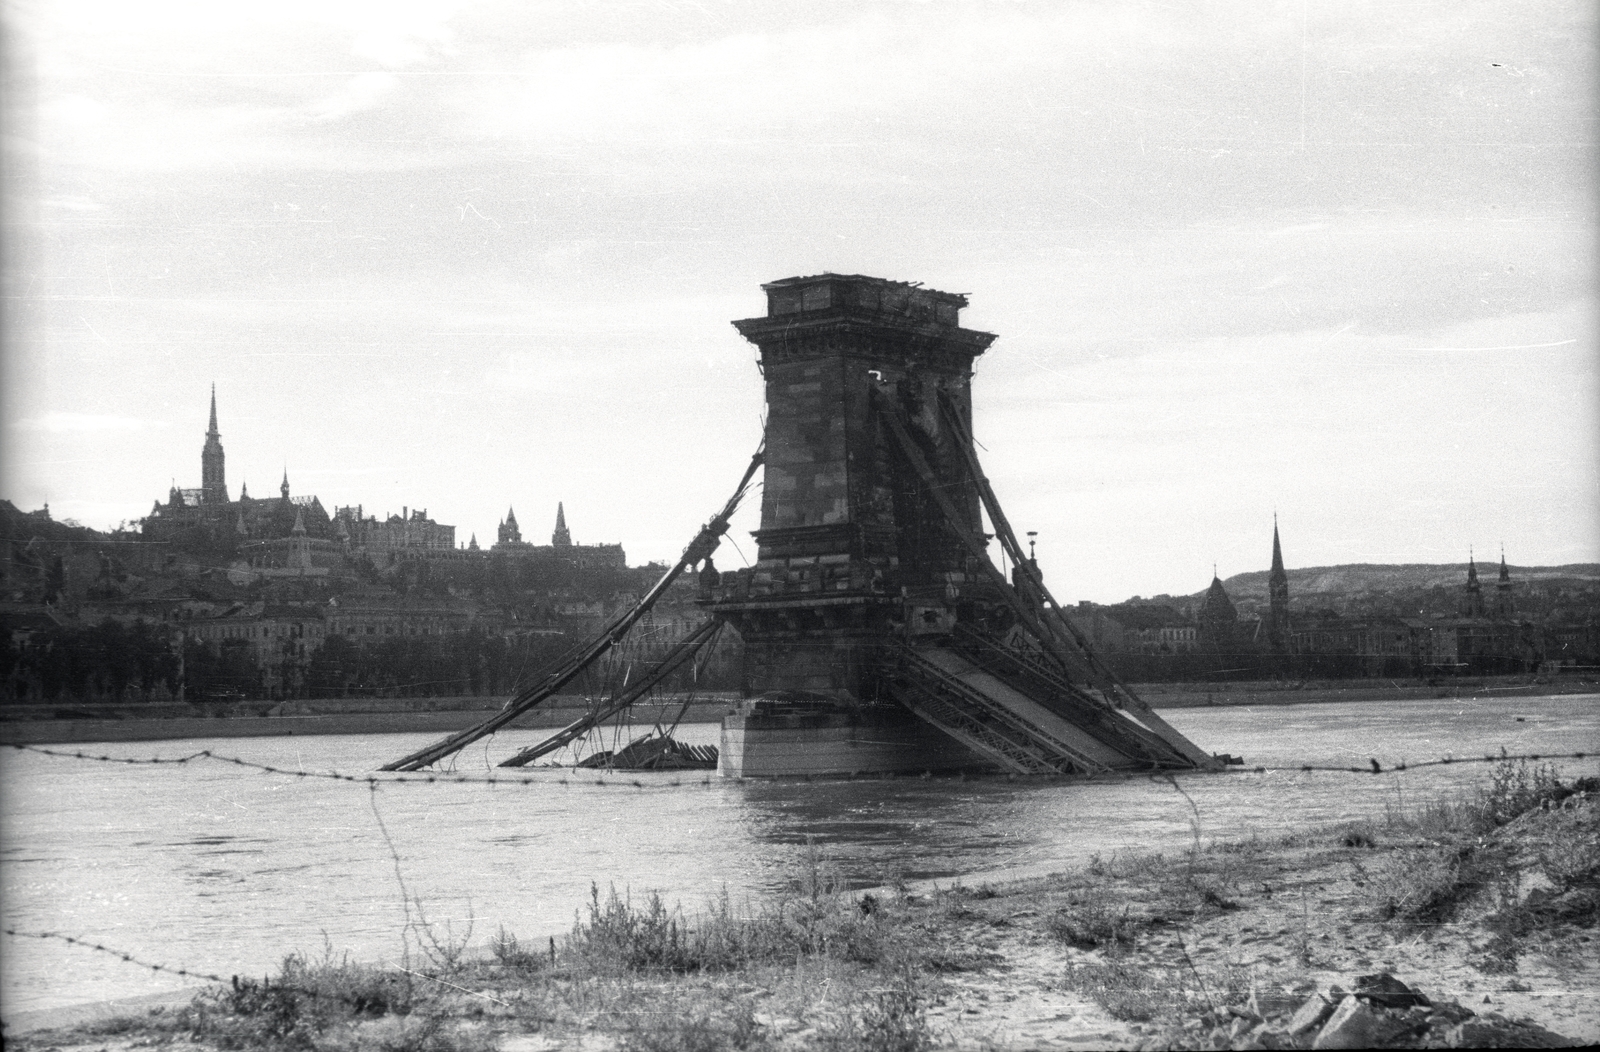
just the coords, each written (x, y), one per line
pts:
(293, 1009)
(891, 1021)
(1130, 992)
(1090, 921)
(821, 921)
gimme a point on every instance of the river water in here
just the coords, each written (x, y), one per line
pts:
(217, 868)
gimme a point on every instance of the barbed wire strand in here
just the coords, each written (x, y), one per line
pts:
(236, 982)
(1373, 767)
(362, 779)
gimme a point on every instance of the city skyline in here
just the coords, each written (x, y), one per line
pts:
(1327, 261)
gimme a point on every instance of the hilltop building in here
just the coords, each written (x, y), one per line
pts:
(561, 546)
(508, 531)
(206, 515)
(410, 533)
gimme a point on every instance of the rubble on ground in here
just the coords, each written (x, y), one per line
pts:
(1381, 1012)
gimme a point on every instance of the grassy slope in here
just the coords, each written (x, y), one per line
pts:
(1493, 899)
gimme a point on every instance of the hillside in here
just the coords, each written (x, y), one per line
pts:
(1357, 578)
(1542, 593)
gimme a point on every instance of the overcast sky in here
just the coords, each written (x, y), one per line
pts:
(1334, 259)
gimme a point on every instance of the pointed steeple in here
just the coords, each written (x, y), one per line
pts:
(561, 538)
(1504, 606)
(213, 485)
(1277, 596)
(509, 532)
(472, 545)
(244, 492)
(1217, 617)
(1472, 599)
(299, 523)
(284, 489)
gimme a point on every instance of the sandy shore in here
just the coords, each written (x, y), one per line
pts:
(1240, 944)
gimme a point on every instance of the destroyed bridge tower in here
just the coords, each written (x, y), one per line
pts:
(846, 536)
(878, 634)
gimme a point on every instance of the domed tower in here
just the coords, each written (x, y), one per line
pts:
(213, 486)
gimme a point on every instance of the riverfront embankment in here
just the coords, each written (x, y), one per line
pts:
(1462, 924)
(1192, 695)
(65, 723)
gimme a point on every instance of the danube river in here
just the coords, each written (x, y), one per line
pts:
(218, 868)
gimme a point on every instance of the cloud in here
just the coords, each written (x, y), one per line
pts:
(363, 92)
(64, 423)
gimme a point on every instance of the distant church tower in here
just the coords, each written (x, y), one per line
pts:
(1472, 601)
(561, 538)
(299, 544)
(1218, 619)
(509, 533)
(1278, 596)
(213, 487)
(1503, 606)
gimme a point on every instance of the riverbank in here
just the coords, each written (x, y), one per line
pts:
(1486, 908)
(1190, 695)
(63, 724)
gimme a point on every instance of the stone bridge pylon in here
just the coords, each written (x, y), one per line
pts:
(879, 635)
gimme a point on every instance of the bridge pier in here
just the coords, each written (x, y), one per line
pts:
(874, 626)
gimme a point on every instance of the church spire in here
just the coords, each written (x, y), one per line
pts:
(1277, 596)
(1504, 606)
(561, 538)
(509, 532)
(1472, 600)
(284, 489)
(213, 485)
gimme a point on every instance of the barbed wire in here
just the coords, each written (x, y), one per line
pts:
(1373, 767)
(366, 779)
(238, 983)
(187, 973)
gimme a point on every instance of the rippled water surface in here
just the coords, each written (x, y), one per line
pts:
(221, 869)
